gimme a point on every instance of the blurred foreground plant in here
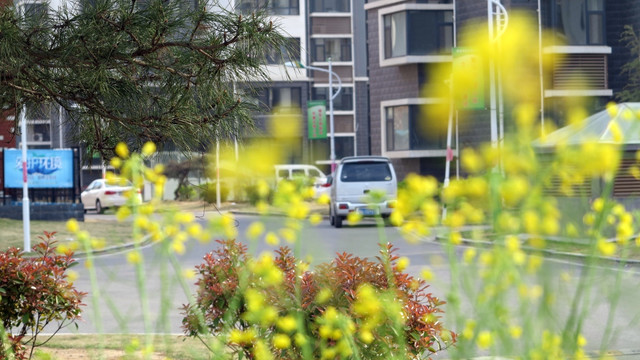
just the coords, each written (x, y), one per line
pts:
(34, 293)
(348, 308)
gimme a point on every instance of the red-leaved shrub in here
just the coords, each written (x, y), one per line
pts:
(34, 293)
(223, 305)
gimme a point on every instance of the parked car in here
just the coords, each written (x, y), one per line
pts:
(315, 176)
(102, 194)
(353, 181)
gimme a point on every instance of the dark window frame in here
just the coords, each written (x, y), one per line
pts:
(440, 28)
(288, 52)
(324, 6)
(289, 7)
(319, 45)
(555, 22)
(417, 142)
(343, 102)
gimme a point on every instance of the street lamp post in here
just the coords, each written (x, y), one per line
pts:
(332, 96)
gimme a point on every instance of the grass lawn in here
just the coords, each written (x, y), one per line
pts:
(121, 347)
(12, 233)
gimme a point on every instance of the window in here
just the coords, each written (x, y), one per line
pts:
(289, 52)
(35, 12)
(336, 49)
(330, 6)
(418, 32)
(283, 97)
(38, 123)
(344, 146)
(275, 7)
(579, 22)
(365, 171)
(404, 131)
(343, 102)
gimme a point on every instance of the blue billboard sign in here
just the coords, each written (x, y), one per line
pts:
(45, 168)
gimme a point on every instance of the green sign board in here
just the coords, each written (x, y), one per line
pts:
(468, 79)
(317, 119)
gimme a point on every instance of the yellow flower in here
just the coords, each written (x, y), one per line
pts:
(189, 274)
(323, 296)
(471, 161)
(194, 230)
(315, 219)
(396, 218)
(178, 247)
(148, 149)
(515, 331)
(281, 341)
(427, 274)
(72, 276)
(581, 341)
(455, 237)
(512, 243)
(184, 217)
(134, 257)
(366, 336)
(606, 248)
(469, 255)
(403, 263)
(122, 150)
(72, 226)
(485, 339)
(288, 234)
(354, 217)
(116, 162)
(272, 239)
(287, 323)
(123, 213)
(255, 229)
(324, 199)
(141, 222)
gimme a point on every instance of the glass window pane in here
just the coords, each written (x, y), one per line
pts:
(595, 29)
(365, 171)
(571, 21)
(344, 100)
(596, 5)
(398, 34)
(401, 128)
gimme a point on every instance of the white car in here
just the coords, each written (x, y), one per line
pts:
(102, 194)
(310, 172)
(354, 179)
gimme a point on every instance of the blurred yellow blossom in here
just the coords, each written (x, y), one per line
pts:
(122, 150)
(255, 229)
(148, 149)
(134, 257)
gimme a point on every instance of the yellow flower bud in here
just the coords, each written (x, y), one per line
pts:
(72, 225)
(148, 149)
(122, 150)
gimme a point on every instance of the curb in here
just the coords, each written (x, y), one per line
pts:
(478, 243)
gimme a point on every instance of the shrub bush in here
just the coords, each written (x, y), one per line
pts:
(35, 292)
(207, 192)
(346, 307)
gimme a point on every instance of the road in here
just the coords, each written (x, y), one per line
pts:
(119, 305)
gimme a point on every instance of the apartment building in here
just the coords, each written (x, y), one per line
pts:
(407, 38)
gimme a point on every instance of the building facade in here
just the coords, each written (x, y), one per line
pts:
(385, 52)
(407, 39)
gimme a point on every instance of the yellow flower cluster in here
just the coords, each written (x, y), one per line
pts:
(336, 330)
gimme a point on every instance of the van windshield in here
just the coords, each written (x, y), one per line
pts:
(365, 171)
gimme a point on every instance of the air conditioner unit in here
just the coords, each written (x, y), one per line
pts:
(37, 137)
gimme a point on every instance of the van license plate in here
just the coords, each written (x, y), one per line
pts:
(367, 212)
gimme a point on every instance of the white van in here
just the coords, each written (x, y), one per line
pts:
(310, 172)
(352, 182)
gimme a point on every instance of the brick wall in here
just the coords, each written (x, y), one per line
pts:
(386, 83)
